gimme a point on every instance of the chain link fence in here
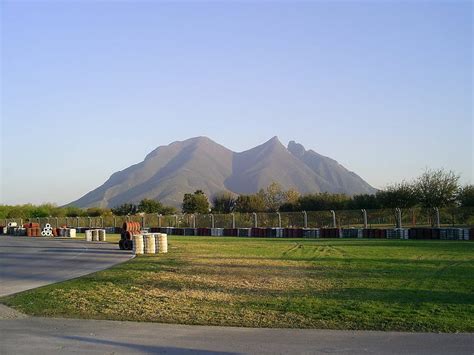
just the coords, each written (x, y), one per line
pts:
(380, 218)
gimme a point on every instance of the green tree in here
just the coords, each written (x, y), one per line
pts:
(437, 188)
(365, 201)
(223, 202)
(323, 201)
(399, 195)
(96, 212)
(168, 210)
(273, 196)
(150, 206)
(124, 209)
(195, 203)
(250, 203)
(465, 197)
(73, 211)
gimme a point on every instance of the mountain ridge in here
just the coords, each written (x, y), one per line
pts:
(170, 171)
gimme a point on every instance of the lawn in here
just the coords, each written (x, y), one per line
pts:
(337, 283)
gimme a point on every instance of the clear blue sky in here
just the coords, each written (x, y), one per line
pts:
(90, 87)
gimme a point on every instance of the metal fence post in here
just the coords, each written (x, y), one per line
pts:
(159, 220)
(143, 221)
(115, 222)
(305, 215)
(255, 221)
(279, 219)
(176, 220)
(334, 223)
(399, 217)
(364, 216)
(212, 220)
(437, 221)
(90, 222)
(233, 220)
(194, 220)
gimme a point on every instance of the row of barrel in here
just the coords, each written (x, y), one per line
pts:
(34, 230)
(96, 235)
(150, 243)
(396, 233)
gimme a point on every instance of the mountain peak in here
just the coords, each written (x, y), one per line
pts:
(170, 171)
(296, 149)
(273, 141)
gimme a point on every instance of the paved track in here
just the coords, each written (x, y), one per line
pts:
(46, 336)
(27, 263)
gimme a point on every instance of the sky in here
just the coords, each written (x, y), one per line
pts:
(90, 87)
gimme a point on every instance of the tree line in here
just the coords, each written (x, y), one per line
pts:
(434, 188)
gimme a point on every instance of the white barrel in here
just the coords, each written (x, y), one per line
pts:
(149, 243)
(12, 224)
(88, 233)
(95, 235)
(138, 244)
(161, 243)
(102, 235)
(71, 233)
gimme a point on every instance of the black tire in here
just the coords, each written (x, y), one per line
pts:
(121, 246)
(128, 244)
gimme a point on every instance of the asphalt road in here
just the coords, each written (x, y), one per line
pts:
(31, 262)
(27, 263)
(47, 336)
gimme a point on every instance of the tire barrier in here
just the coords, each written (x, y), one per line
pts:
(217, 232)
(47, 231)
(102, 235)
(356, 233)
(33, 232)
(129, 230)
(149, 246)
(138, 244)
(397, 233)
(131, 226)
(94, 235)
(351, 233)
(330, 233)
(161, 243)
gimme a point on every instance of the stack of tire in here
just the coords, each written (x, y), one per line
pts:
(47, 231)
(32, 229)
(129, 229)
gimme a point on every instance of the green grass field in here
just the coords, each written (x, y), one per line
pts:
(338, 283)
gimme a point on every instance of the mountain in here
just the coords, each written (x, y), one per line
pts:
(170, 171)
(340, 179)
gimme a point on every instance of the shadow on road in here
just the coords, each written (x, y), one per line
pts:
(149, 349)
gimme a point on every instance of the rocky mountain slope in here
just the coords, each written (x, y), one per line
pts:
(170, 171)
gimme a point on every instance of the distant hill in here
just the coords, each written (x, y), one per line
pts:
(168, 172)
